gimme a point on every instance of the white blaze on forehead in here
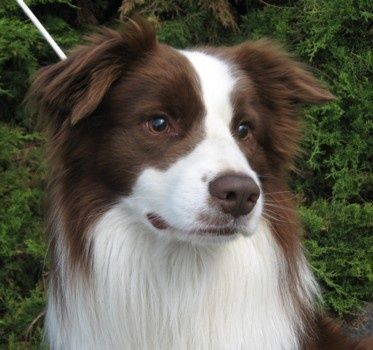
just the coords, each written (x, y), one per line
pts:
(217, 83)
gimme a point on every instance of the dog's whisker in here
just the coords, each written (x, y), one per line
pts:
(271, 217)
(275, 206)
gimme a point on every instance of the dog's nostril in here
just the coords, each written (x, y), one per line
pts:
(236, 193)
(253, 198)
(230, 196)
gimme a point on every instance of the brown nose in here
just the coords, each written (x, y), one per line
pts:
(236, 194)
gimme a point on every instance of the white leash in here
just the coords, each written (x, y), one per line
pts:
(41, 29)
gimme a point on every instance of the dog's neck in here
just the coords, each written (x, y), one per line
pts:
(152, 293)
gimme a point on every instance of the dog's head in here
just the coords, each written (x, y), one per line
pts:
(185, 141)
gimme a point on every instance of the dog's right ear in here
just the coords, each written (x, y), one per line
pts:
(72, 90)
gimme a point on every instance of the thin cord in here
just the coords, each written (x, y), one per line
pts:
(41, 29)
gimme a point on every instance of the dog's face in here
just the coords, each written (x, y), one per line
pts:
(186, 142)
(181, 145)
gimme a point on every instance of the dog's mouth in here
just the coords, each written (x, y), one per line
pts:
(160, 224)
(157, 221)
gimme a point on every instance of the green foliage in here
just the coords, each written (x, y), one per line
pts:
(340, 244)
(334, 180)
(22, 51)
(184, 23)
(15, 53)
(22, 248)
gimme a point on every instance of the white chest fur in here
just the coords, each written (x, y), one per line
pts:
(149, 293)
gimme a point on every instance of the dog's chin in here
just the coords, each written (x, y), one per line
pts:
(202, 234)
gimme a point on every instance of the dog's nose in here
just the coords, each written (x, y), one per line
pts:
(236, 194)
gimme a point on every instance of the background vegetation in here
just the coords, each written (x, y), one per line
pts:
(334, 182)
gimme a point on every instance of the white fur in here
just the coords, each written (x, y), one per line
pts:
(152, 293)
(174, 289)
(217, 84)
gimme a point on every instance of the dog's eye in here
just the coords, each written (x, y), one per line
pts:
(243, 130)
(158, 124)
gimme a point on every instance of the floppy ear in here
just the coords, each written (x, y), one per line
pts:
(282, 84)
(72, 89)
(278, 76)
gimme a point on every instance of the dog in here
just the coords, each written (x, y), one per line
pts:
(171, 223)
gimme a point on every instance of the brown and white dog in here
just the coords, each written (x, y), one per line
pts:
(172, 226)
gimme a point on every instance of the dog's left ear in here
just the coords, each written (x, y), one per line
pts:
(277, 76)
(282, 85)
